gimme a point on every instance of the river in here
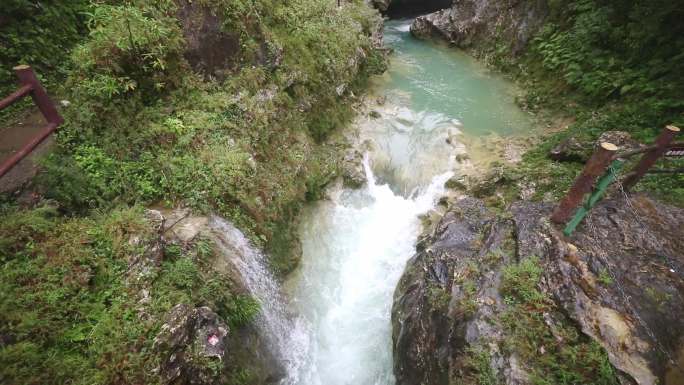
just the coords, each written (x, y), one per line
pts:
(357, 242)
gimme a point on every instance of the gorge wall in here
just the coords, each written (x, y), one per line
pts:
(507, 299)
(482, 24)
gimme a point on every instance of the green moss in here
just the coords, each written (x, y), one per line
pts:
(609, 66)
(560, 356)
(477, 363)
(68, 314)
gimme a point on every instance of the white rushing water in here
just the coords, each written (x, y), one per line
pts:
(287, 335)
(355, 248)
(333, 327)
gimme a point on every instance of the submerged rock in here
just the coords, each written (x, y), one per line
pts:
(616, 283)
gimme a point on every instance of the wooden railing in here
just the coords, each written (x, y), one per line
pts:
(29, 85)
(607, 162)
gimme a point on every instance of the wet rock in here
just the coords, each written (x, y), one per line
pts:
(210, 50)
(469, 22)
(192, 344)
(457, 182)
(353, 174)
(183, 227)
(618, 280)
(571, 150)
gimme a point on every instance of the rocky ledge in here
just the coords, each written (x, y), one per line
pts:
(483, 23)
(507, 299)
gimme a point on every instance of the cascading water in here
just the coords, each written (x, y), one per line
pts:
(356, 243)
(287, 335)
(356, 246)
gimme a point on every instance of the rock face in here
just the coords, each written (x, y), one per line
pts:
(470, 22)
(352, 170)
(617, 283)
(404, 8)
(189, 338)
(210, 50)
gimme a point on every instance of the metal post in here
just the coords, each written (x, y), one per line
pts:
(649, 158)
(30, 84)
(601, 187)
(40, 97)
(594, 168)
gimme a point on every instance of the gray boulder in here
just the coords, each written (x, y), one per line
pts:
(192, 344)
(615, 284)
(483, 23)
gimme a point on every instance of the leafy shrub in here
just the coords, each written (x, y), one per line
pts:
(39, 34)
(131, 52)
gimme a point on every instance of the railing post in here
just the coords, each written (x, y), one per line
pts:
(649, 158)
(594, 168)
(30, 84)
(40, 97)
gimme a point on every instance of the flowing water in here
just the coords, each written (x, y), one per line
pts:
(357, 242)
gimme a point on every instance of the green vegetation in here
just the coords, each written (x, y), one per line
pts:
(70, 312)
(562, 355)
(477, 360)
(607, 66)
(144, 128)
(40, 34)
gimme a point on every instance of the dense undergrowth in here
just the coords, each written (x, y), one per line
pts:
(607, 66)
(40, 34)
(144, 127)
(71, 313)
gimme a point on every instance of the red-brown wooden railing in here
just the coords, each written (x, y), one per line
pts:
(602, 158)
(29, 85)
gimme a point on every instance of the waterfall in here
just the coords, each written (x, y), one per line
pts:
(286, 334)
(355, 248)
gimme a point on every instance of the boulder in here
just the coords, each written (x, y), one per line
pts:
(616, 283)
(353, 174)
(571, 150)
(468, 22)
(210, 49)
(192, 345)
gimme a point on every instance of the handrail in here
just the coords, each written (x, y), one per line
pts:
(30, 85)
(599, 163)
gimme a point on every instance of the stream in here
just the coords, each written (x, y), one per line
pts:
(336, 329)
(356, 243)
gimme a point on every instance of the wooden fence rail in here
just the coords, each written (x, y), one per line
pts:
(606, 162)
(30, 85)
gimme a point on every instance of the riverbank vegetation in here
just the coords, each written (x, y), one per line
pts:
(148, 123)
(601, 66)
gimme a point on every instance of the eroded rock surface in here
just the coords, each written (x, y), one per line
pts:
(190, 338)
(469, 22)
(618, 281)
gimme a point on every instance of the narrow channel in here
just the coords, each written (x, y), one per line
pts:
(357, 242)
